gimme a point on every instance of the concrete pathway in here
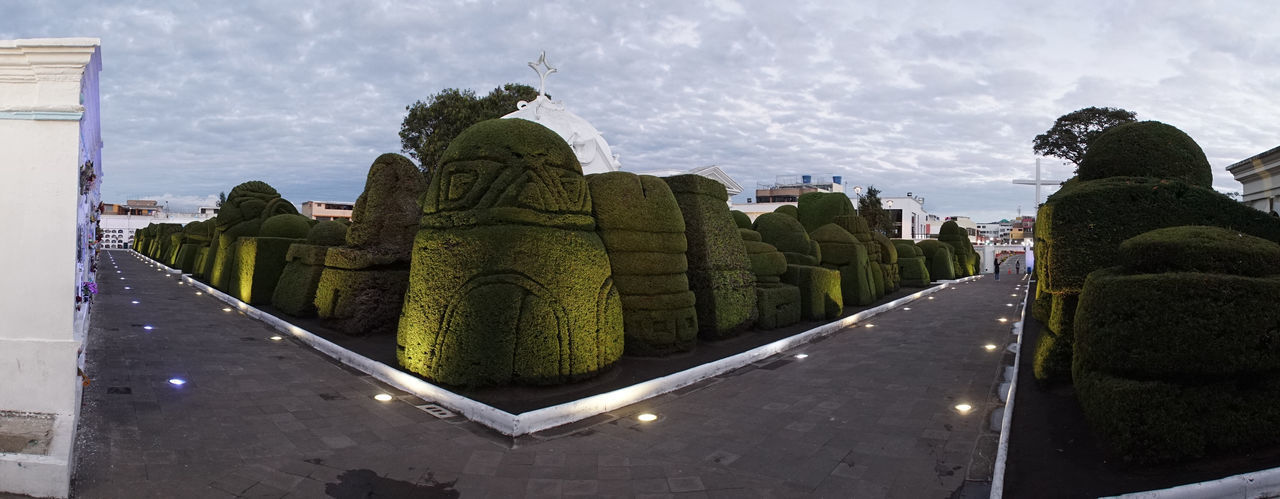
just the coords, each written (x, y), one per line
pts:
(870, 412)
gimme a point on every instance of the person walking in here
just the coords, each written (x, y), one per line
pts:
(997, 262)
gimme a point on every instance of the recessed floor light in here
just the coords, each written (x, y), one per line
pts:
(869, 325)
(383, 397)
(148, 328)
(989, 347)
(1002, 319)
(199, 293)
(802, 356)
(906, 308)
(930, 297)
(226, 309)
(277, 338)
(177, 381)
(1008, 304)
(647, 417)
(135, 302)
(127, 287)
(964, 408)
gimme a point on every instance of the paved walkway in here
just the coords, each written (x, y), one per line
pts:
(869, 413)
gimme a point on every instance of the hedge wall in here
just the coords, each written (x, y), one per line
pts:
(820, 297)
(509, 281)
(788, 210)
(840, 251)
(741, 219)
(719, 270)
(964, 254)
(857, 226)
(637, 217)
(777, 304)
(816, 209)
(940, 257)
(295, 292)
(787, 235)
(913, 270)
(888, 262)
(241, 215)
(259, 262)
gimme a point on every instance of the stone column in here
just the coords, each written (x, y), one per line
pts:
(50, 169)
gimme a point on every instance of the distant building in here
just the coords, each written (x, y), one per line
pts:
(1258, 175)
(328, 210)
(910, 221)
(120, 221)
(786, 190)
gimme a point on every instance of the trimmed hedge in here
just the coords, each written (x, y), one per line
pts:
(241, 215)
(385, 216)
(913, 270)
(888, 262)
(786, 234)
(788, 210)
(509, 281)
(840, 251)
(820, 297)
(856, 225)
(719, 270)
(940, 257)
(1163, 383)
(777, 304)
(259, 262)
(964, 254)
(327, 233)
(1146, 149)
(361, 302)
(637, 216)
(289, 226)
(816, 209)
(1199, 248)
(740, 218)
(295, 292)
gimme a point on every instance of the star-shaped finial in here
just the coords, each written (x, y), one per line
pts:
(542, 75)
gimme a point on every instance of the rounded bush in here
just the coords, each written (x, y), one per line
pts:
(1146, 149)
(783, 232)
(816, 209)
(512, 141)
(1199, 248)
(290, 226)
(740, 218)
(789, 210)
(327, 233)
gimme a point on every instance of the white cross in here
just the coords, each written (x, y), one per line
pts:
(542, 75)
(1037, 182)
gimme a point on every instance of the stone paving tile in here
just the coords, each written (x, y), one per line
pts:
(867, 414)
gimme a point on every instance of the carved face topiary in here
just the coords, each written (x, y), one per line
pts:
(509, 282)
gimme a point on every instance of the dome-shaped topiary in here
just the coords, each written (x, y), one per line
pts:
(816, 209)
(1199, 248)
(788, 210)
(740, 218)
(285, 225)
(1146, 149)
(328, 233)
(785, 233)
(511, 140)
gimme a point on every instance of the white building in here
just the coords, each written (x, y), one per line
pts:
(786, 190)
(50, 173)
(1259, 175)
(118, 230)
(910, 221)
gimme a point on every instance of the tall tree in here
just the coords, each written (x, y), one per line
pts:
(869, 206)
(1071, 133)
(222, 198)
(429, 126)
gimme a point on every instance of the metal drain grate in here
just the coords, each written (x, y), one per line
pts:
(437, 411)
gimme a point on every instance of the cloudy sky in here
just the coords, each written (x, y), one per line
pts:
(938, 98)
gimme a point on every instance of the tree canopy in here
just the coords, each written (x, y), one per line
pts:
(429, 126)
(869, 206)
(1071, 133)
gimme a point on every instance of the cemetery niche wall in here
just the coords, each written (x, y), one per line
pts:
(1079, 228)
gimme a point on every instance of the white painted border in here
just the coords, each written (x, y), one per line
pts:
(1006, 421)
(550, 417)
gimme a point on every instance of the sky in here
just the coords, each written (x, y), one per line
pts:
(941, 99)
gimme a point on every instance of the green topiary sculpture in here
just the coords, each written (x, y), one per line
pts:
(958, 239)
(777, 303)
(195, 236)
(788, 210)
(820, 288)
(362, 287)
(1146, 149)
(259, 260)
(242, 214)
(856, 225)
(510, 282)
(888, 262)
(740, 218)
(842, 252)
(913, 270)
(295, 292)
(1168, 383)
(816, 209)
(719, 271)
(941, 258)
(643, 231)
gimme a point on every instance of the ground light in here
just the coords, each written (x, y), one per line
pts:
(989, 347)
(647, 417)
(177, 381)
(277, 338)
(383, 397)
(963, 408)
(199, 293)
(869, 325)
(1002, 319)
(135, 302)
(802, 355)
(127, 287)
(906, 308)
(148, 328)
(226, 309)
(930, 297)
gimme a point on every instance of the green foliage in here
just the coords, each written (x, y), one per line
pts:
(941, 258)
(719, 270)
(286, 226)
(1080, 228)
(295, 292)
(958, 239)
(385, 217)
(638, 219)
(870, 208)
(327, 233)
(787, 235)
(778, 305)
(816, 209)
(258, 264)
(767, 263)
(1071, 133)
(248, 205)
(185, 260)
(1198, 248)
(1052, 362)
(842, 252)
(429, 127)
(740, 218)
(913, 269)
(788, 210)
(820, 297)
(1146, 149)
(509, 281)
(361, 302)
